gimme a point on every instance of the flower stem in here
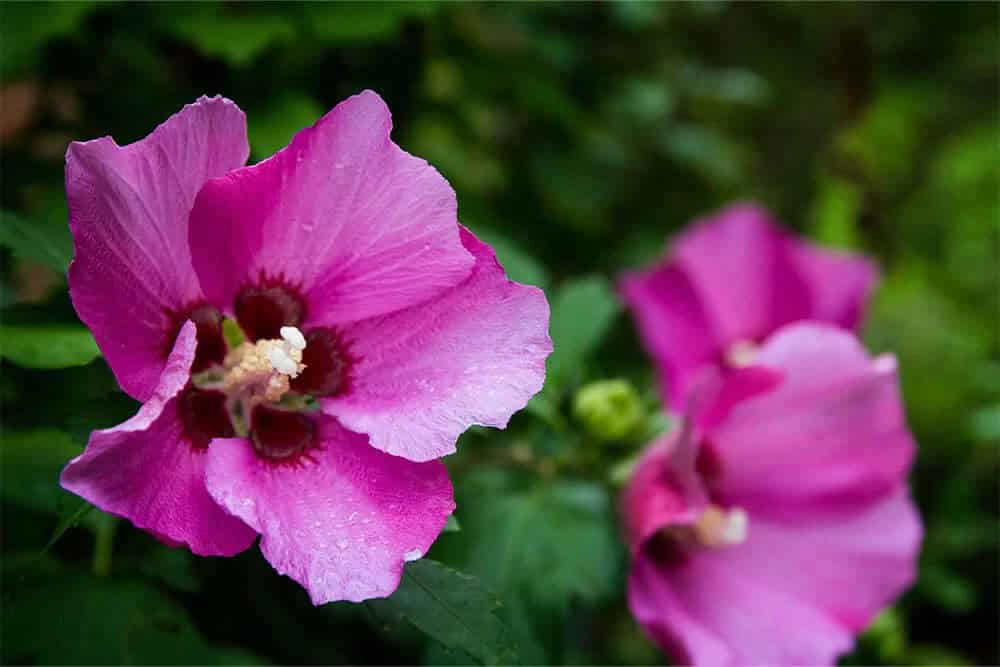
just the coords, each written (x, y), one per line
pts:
(103, 545)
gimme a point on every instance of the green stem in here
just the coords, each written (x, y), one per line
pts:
(104, 542)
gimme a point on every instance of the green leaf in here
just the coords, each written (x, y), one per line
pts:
(582, 313)
(98, 621)
(451, 607)
(29, 25)
(31, 464)
(540, 548)
(47, 345)
(236, 37)
(452, 525)
(345, 22)
(69, 518)
(272, 127)
(553, 541)
(46, 241)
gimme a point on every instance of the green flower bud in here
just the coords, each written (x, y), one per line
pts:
(608, 409)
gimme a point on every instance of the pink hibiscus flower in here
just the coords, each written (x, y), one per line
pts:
(731, 281)
(774, 525)
(378, 329)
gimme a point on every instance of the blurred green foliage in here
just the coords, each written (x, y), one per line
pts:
(579, 137)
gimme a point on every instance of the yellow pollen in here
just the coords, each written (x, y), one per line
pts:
(716, 527)
(263, 370)
(741, 354)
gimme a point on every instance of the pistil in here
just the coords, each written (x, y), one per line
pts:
(262, 371)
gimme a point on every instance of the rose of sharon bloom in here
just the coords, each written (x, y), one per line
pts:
(377, 330)
(731, 281)
(776, 523)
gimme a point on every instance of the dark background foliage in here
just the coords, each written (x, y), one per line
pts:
(579, 137)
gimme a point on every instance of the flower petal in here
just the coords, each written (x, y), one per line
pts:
(840, 283)
(128, 210)
(343, 215)
(739, 264)
(674, 326)
(342, 519)
(665, 489)
(830, 436)
(473, 356)
(146, 471)
(790, 594)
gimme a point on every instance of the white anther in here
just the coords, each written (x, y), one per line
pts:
(293, 337)
(740, 354)
(281, 361)
(718, 527)
(735, 529)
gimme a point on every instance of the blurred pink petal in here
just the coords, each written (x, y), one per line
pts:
(806, 529)
(731, 281)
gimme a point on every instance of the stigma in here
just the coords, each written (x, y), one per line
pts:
(262, 371)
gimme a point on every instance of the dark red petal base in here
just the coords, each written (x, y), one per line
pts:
(262, 310)
(327, 364)
(211, 344)
(204, 416)
(281, 435)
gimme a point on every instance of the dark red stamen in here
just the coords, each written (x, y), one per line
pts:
(262, 310)
(204, 415)
(280, 434)
(327, 364)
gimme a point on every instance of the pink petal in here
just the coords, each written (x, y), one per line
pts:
(716, 391)
(831, 436)
(473, 356)
(147, 472)
(674, 326)
(128, 211)
(840, 284)
(738, 263)
(340, 521)
(791, 594)
(665, 489)
(358, 226)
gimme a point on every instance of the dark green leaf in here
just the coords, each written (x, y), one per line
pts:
(99, 621)
(45, 240)
(337, 22)
(48, 345)
(31, 464)
(234, 36)
(540, 548)
(451, 607)
(582, 313)
(272, 127)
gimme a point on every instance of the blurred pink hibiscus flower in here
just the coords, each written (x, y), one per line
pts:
(731, 281)
(776, 522)
(377, 330)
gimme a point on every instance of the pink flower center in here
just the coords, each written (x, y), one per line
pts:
(263, 389)
(719, 525)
